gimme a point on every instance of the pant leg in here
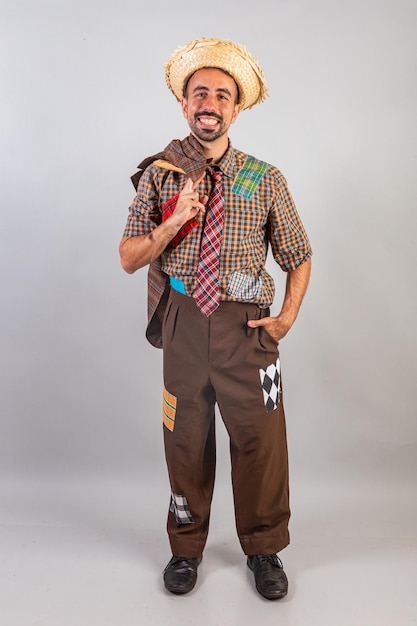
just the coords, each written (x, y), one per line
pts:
(189, 425)
(257, 430)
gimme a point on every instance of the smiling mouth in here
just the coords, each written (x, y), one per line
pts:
(208, 120)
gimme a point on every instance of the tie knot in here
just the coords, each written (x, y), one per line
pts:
(215, 173)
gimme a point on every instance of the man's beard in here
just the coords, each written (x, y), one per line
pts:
(208, 134)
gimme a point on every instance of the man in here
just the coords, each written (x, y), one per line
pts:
(203, 218)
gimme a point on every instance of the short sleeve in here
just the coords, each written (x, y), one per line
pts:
(289, 242)
(144, 214)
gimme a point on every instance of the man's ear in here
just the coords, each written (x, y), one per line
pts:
(236, 111)
(184, 107)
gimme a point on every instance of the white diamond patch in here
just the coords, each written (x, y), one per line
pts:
(271, 385)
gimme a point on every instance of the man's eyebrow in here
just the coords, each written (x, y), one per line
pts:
(205, 88)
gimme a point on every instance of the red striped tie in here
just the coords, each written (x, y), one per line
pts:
(206, 294)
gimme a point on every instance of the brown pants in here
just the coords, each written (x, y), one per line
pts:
(221, 360)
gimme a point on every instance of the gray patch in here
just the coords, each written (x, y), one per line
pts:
(244, 287)
(179, 506)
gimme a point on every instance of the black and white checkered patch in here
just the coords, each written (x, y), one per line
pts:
(271, 385)
(179, 506)
(244, 287)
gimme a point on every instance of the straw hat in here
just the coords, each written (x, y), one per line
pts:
(230, 57)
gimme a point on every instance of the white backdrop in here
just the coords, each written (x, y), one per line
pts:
(83, 100)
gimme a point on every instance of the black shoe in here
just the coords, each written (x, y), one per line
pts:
(180, 575)
(270, 579)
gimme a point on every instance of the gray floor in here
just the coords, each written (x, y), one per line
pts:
(86, 552)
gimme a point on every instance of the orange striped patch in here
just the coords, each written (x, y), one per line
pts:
(169, 408)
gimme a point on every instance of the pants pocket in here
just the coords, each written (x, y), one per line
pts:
(266, 339)
(169, 323)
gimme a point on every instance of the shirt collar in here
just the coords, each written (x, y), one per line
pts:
(227, 163)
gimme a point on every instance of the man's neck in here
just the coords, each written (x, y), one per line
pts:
(214, 150)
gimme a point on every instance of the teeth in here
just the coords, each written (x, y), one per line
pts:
(208, 120)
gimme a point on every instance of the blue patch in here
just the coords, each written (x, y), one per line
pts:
(177, 285)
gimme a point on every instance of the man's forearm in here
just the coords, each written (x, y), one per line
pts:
(136, 252)
(296, 287)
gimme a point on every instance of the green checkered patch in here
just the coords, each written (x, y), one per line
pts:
(249, 177)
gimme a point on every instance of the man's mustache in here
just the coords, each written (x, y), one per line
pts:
(209, 114)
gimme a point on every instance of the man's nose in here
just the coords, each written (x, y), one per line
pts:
(210, 103)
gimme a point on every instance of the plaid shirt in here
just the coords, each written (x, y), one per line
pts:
(259, 210)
